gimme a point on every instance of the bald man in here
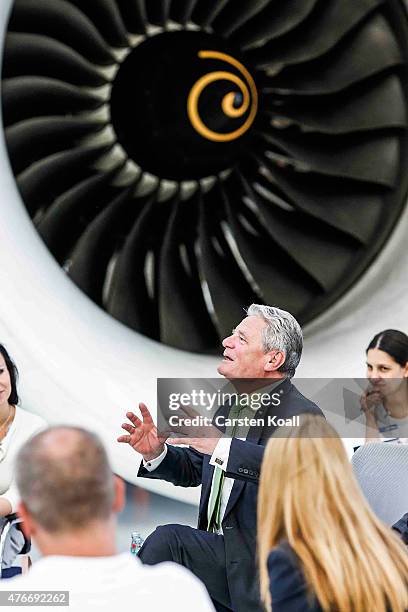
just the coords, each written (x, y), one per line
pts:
(69, 502)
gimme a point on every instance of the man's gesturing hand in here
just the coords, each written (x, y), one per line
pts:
(143, 435)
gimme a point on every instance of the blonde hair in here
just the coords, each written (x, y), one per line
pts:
(309, 497)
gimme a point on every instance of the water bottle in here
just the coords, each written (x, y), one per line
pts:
(136, 542)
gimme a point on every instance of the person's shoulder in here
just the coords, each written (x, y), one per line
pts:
(29, 422)
(176, 579)
(298, 399)
(286, 578)
(283, 557)
(287, 582)
(21, 583)
(285, 569)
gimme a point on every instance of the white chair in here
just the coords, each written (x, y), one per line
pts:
(382, 473)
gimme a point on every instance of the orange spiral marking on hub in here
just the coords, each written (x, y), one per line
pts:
(249, 94)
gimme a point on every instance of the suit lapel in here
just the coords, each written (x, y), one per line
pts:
(254, 436)
(205, 495)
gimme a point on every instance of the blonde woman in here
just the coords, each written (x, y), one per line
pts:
(320, 546)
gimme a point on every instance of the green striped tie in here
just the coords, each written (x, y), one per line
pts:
(214, 503)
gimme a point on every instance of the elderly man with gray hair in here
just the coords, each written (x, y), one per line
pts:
(69, 499)
(261, 353)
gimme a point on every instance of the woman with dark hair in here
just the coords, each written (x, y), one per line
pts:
(16, 427)
(385, 402)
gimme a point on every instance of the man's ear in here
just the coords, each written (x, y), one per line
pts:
(275, 360)
(120, 492)
(27, 526)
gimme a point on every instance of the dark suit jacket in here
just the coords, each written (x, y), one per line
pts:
(287, 584)
(188, 468)
(402, 527)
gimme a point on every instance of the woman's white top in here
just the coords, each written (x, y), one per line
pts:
(390, 427)
(24, 425)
